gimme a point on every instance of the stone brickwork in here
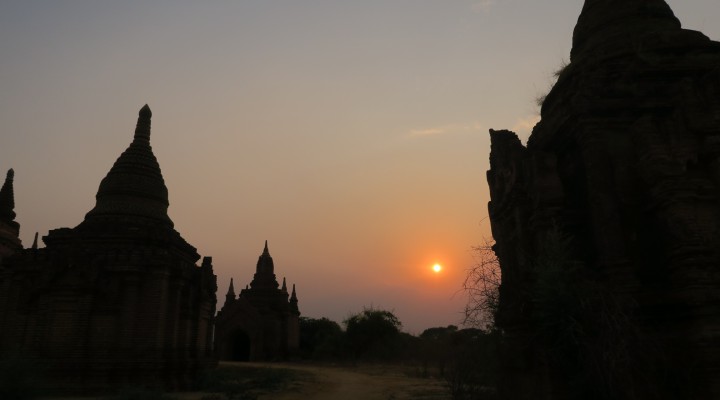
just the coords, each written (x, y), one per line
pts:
(623, 171)
(118, 300)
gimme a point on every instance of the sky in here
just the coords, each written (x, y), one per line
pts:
(352, 135)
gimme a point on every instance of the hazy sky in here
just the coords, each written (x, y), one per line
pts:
(352, 135)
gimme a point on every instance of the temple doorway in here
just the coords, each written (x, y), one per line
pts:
(239, 346)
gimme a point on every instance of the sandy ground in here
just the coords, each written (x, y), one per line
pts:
(361, 383)
(374, 382)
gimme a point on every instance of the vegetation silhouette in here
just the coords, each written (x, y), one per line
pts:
(373, 334)
(466, 359)
(321, 339)
(482, 287)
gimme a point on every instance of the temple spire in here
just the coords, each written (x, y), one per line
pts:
(142, 129)
(133, 191)
(294, 302)
(7, 198)
(231, 289)
(230, 296)
(265, 272)
(284, 286)
(35, 242)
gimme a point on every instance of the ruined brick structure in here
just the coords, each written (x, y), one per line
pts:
(624, 167)
(116, 301)
(9, 229)
(262, 322)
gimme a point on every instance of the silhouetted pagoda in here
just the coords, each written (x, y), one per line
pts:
(116, 301)
(262, 323)
(607, 225)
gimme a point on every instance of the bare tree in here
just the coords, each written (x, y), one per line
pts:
(482, 284)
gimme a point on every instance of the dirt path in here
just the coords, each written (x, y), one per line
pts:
(362, 383)
(378, 382)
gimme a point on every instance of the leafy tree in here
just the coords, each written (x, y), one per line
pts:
(439, 333)
(321, 339)
(373, 334)
(436, 348)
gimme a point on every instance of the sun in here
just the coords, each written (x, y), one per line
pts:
(437, 268)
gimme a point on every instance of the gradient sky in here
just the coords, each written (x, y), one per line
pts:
(352, 135)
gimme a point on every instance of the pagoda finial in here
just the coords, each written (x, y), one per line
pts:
(294, 303)
(231, 289)
(142, 130)
(284, 286)
(7, 198)
(35, 242)
(230, 296)
(265, 272)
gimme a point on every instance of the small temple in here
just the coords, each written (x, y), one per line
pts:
(262, 322)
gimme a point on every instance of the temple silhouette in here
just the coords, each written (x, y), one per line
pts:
(117, 300)
(262, 322)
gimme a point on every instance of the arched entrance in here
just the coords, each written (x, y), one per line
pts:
(239, 346)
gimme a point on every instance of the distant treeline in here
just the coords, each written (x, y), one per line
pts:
(465, 358)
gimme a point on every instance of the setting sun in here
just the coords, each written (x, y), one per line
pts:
(437, 268)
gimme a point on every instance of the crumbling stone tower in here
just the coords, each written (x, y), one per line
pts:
(9, 229)
(118, 300)
(622, 174)
(262, 323)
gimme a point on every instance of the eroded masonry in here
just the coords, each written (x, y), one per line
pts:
(607, 224)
